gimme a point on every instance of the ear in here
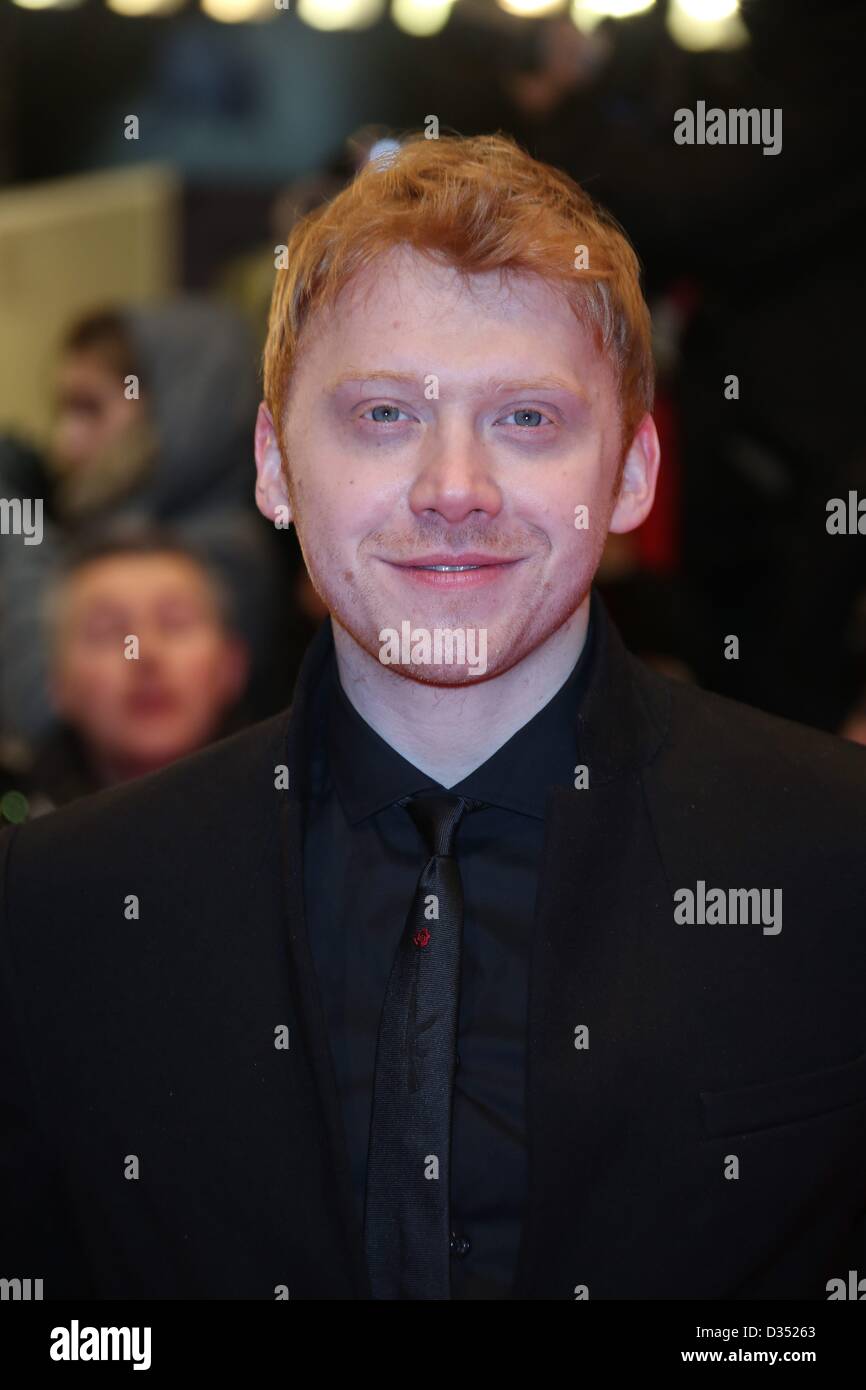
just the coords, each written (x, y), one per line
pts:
(640, 472)
(271, 490)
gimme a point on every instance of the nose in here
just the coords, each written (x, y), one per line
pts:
(152, 647)
(455, 477)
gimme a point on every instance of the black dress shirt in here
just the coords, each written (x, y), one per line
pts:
(362, 859)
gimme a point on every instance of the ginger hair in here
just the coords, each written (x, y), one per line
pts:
(478, 203)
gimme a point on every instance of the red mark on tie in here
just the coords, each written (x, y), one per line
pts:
(421, 937)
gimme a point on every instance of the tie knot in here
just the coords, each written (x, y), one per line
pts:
(437, 816)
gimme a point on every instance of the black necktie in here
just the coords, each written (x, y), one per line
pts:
(406, 1223)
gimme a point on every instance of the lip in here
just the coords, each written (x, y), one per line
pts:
(467, 557)
(151, 703)
(491, 569)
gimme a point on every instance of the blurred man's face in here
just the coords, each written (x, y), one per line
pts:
(92, 411)
(433, 422)
(135, 715)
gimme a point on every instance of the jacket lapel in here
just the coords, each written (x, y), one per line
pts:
(600, 883)
(304, 982)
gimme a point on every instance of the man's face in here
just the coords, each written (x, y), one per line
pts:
(434, 421)
(92, 411)
(142, 713)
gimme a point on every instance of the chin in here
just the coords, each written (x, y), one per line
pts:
(158, 754)
(448, 677)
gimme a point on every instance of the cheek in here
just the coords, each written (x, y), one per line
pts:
(100, 679)
(333, 520)
(338, 488)
(576, 526)
(586, 503)
(198, 668)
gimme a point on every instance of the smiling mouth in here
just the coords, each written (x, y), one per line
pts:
(472, 572)
(471, 562)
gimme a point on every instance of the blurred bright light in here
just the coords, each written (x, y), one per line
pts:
(421, 17)
(530, 8)
(699, 25)
(586, 14)
(239, 11)
(133, 9)
(340, 14)
(709, 10)
(47, 4)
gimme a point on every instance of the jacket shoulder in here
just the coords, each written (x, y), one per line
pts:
(759, 772)
(198, 802)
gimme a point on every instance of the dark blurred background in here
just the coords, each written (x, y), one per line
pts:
(154, 154)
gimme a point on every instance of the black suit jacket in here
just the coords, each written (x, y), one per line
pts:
(147, 1044)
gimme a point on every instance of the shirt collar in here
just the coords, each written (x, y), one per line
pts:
(623, 719)
(369, 774)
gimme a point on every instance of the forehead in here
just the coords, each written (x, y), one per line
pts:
(419, 283)
(405, 304)
(135, 578)
(85, 365)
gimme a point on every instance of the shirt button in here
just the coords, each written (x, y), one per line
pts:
(459, 1245)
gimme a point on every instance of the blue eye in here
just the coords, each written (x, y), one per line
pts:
(528, 418)
(381, 420)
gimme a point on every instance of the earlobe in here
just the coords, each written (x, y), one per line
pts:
(271, 491)
(639, 476)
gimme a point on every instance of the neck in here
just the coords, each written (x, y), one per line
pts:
(448, 731)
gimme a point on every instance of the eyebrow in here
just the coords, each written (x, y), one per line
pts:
(548, 383)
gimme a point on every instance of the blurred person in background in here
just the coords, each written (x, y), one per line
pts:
(152, 426)
(246, 282)
(125, 708)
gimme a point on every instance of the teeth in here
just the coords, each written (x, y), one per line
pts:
(449, 569)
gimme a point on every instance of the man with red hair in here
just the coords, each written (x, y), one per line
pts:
(512, 962)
